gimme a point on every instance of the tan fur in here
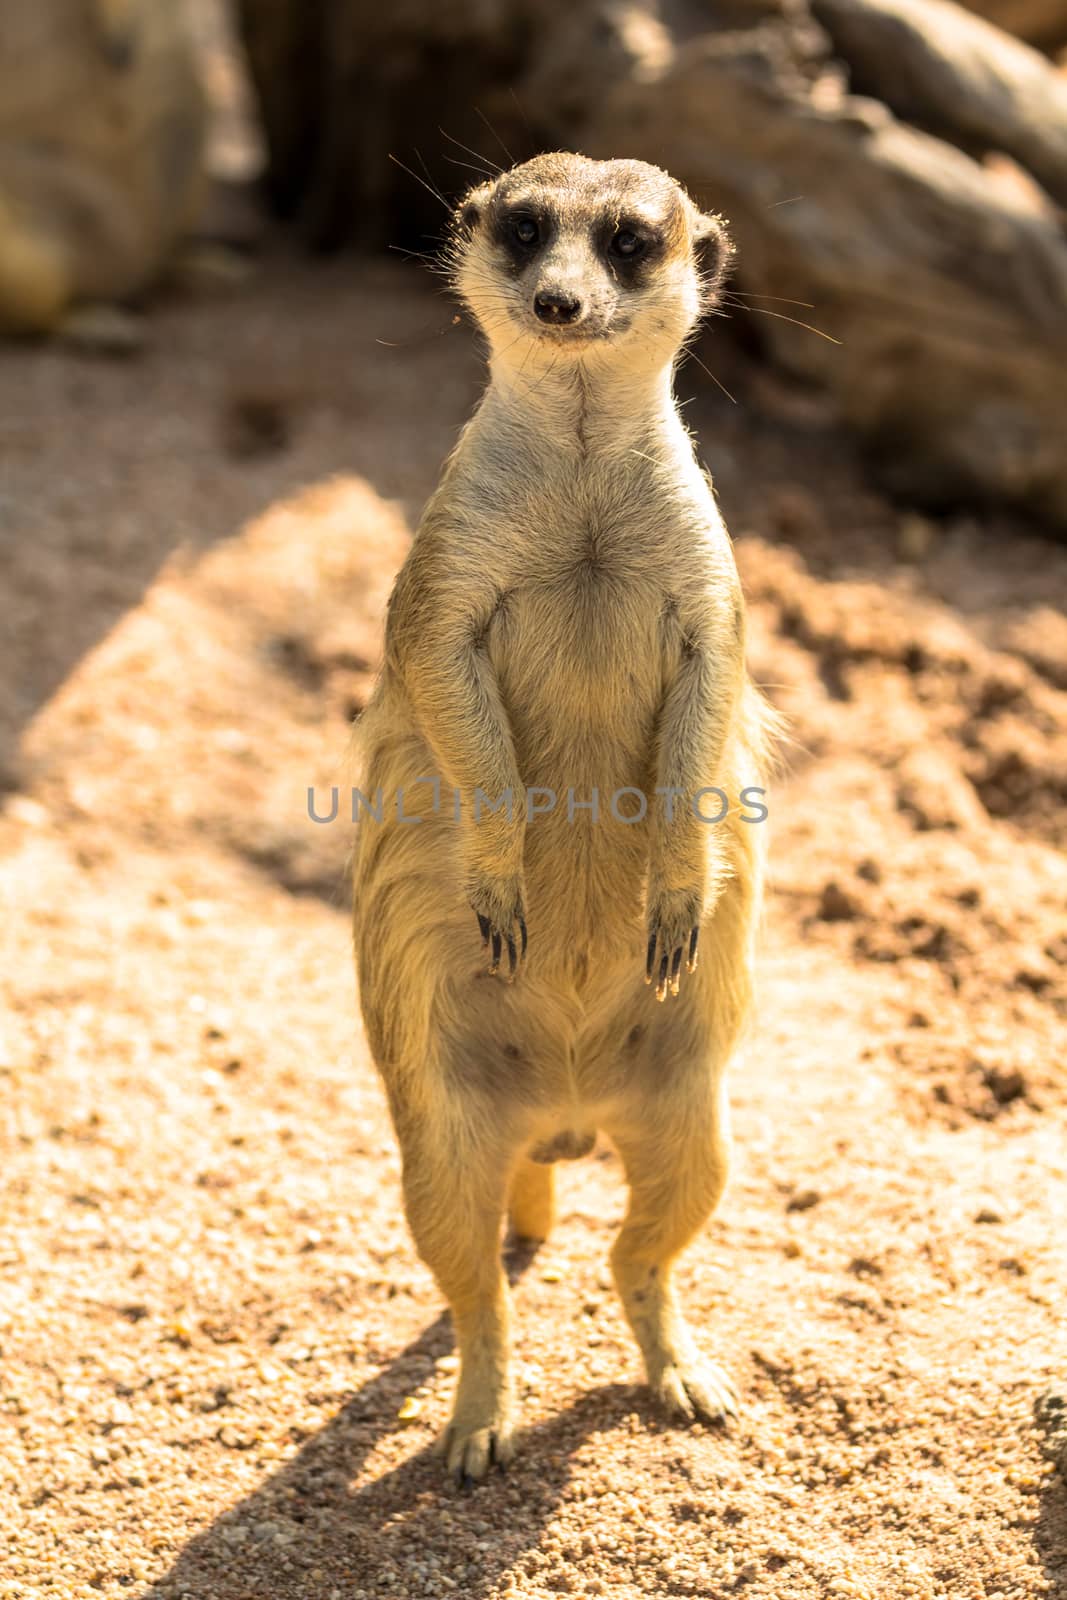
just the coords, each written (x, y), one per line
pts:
(569, 616)
(101, 136)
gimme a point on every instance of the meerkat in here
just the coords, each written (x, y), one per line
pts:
(569, 623)
(102, 129)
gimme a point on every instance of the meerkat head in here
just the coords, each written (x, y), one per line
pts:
(564, 256)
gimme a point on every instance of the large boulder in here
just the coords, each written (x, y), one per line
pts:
(944, 287)
(102, 126)
(1040, 22)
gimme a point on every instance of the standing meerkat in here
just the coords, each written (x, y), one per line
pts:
(567, 633)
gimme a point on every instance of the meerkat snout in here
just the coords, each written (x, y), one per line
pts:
(567, 254)
(554, 305)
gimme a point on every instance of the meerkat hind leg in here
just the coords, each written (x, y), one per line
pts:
(676, 1174)
(454, 1196)
(532, 1200)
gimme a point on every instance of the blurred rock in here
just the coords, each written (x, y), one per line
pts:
(949, 302)
(956, 76)
(102, 129)
(1040, 22)
(915, 538)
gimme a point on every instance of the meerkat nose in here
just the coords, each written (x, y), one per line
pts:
(554, 305)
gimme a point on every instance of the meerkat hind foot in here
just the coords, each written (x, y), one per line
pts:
(473, 1443)
(695, 1390)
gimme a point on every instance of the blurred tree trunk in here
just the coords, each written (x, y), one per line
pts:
(857, 146)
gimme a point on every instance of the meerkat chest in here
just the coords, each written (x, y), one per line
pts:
(578, 639)
(606, 557)
(590, 573)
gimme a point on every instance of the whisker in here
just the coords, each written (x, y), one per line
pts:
(522, 114)
(747, 294)
(488, 166)
(413, 255)
(546, 374)
(428, 187)
(762, 311)
(691, 355)
(456, 162)
(480, 113)
(429, 177)
(526, 357)
(510, 345)
(793, 198)
(419, 338)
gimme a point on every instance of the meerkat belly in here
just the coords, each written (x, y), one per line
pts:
(578, 657)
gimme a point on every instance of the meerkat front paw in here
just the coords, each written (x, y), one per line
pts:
(673, 928)
(498, 905)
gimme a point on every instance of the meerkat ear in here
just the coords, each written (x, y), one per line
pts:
(471, 208)
(713, 248)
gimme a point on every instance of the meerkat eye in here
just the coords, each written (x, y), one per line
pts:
(525, 230)
(626, 243)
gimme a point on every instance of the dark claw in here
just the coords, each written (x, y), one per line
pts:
(694, 938)
(676, 967)
(494, 939)
(661, 986)
(651, 956)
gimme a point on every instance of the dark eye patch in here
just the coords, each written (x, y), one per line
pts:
(521, 233)
(628, 247)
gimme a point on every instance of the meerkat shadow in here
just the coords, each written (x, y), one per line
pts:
(307, 1517)
(1050, 1529)
(519, 1254)
(307, 1523)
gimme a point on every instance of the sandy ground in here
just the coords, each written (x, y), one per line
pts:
(211, 1315)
